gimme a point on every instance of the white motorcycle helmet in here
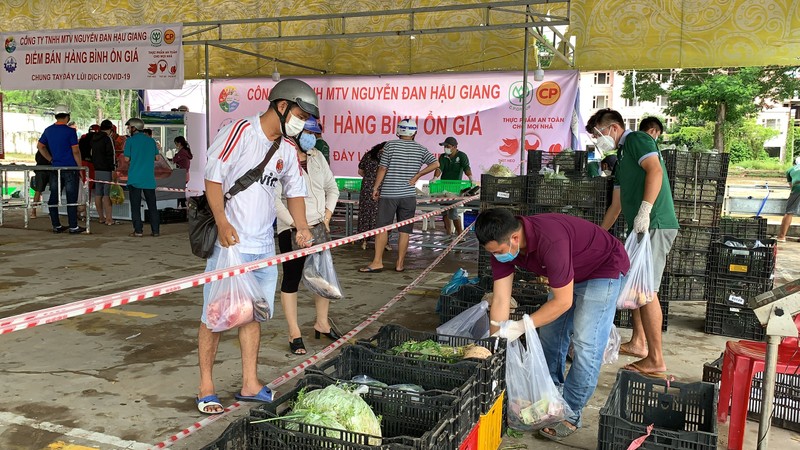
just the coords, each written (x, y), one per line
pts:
(406, 127)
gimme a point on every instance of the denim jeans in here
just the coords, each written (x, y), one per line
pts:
(70, 182)
(587, 324)
(136, 209)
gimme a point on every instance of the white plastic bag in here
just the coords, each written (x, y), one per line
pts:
(533, 399)
(611, 353)
(472, 323)
(638, 288)
(319, 276)
(237, 300)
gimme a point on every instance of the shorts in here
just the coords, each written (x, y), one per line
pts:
(451, 214)
(793, 203)
(40, 180)
(661, 241)
(102, 189)
(402, 208)
(267, 279)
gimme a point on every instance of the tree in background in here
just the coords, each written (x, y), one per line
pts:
(86, 106)
(723, 96)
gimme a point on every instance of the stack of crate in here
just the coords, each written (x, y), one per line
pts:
(739, 268)
(501, 192)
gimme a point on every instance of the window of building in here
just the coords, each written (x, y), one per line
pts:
(665, 77)
(661, 100)
(631, 124)
(668, 124)
(600, 101)
(631, 102)
(775, 124)
(603, 78)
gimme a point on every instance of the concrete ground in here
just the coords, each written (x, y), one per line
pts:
(127, 377)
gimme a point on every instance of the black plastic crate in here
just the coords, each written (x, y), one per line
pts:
(697, 214)
(527, 289)
(620, 228)
(452, 306)
(484, 262)
(693, 238)
(744, 227)
(624, 318)
(748, 258)
(457, 379)
(408, 421)
(237, 436)
(786, 411)
(734, 292)
(691, 189)
(683, 414)
(568, 162)
(518, 209)
(594, 215)
(704, 166)
(687, 262)
(492, 379)
(734, 322)
(504, 190)
(676, 288)
(567, 192)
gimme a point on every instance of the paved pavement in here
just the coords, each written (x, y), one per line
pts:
(127, 377)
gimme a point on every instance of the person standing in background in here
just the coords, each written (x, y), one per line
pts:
(400, 169)
(453, 164)
(59, 146)
(141, 154)
(183, 160)
(368, 206)
(314, 127)
(793, 202)
(102, 149)
(40, 181)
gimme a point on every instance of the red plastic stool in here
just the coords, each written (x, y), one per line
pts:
(742, 360)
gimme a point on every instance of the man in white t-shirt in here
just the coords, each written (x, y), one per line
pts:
(246, 219)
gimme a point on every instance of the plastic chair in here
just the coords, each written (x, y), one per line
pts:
(742, 360)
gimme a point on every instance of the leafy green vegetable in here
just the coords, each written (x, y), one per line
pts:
(335, 407)
(422, 350)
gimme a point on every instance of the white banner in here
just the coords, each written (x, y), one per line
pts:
(143, 57)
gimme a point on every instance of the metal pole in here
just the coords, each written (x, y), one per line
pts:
(208, 107)
(522, 155)
(768, 399)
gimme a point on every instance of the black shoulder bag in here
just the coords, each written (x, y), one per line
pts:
(202, 227)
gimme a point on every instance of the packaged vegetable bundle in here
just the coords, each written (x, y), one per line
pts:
(533, 399)
(638, 288)
(237, 300)
(319, 274)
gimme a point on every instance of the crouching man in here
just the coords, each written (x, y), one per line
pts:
(584, 264)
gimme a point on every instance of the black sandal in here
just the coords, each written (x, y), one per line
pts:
(297, 345)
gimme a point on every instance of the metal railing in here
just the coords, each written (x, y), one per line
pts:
(25, 201)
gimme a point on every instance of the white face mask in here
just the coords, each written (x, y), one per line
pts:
(604, 143)
(294, 125)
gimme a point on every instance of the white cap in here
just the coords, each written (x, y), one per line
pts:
(61, 109)
(797, 161)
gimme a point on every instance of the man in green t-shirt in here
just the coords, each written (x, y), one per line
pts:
(642, 193)
(453, 163)
(793, 203)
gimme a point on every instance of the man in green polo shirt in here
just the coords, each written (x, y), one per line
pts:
(643, 194)
(453, 164)
(793, 203)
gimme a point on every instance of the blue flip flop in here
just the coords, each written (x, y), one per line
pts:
(209, 400)
(264, 395)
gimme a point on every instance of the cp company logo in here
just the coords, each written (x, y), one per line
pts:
(548, 93)
(169, 36)
(516, 93)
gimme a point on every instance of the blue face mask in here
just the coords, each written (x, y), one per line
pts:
(307, 141)
(507, 257)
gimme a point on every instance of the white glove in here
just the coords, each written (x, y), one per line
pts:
(641, 224)
(510, 329)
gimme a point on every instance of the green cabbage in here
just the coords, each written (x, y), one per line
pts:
(339, 408)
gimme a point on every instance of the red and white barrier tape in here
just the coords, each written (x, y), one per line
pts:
(160, 188)
(298, 369)
(421, 201)
(74, 309)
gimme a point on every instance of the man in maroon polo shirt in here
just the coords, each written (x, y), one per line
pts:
(583, 264)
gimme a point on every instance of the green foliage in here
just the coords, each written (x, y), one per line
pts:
(772, 164)
(792, 143)
(739, 152)
(86, 106)
(648, 85)
(750, 135)
(699, 138)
